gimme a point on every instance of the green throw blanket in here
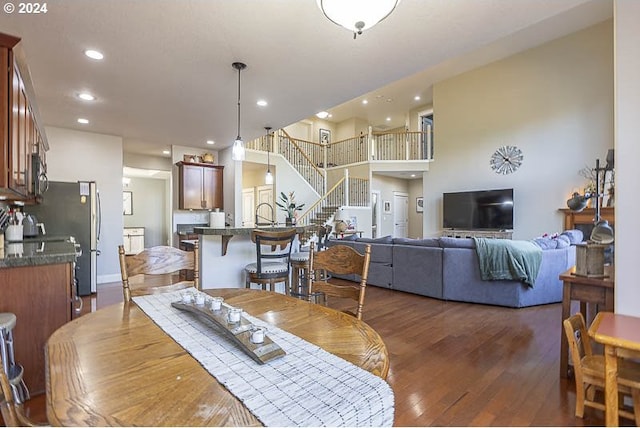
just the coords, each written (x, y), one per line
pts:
(507, 259)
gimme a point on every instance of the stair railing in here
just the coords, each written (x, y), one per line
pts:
(335, 197)
(305, 157)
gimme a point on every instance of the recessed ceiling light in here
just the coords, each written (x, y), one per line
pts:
(83, 121)
(413, 175)
(365, 102)
(86, 96)
(262, 103)
(166, 152)
(389, 100)
(210, 142)
(417, 98)
(388, 119)
(93, 54)
(322, 115)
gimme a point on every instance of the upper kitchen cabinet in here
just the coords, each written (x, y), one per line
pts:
(22, 139)
(199, 186)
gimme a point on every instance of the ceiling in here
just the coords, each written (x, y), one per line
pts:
(167, 79)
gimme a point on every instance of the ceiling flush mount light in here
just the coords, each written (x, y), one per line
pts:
(166, 152)
(262, 103)
(322, 115)
(93, 54)
(357, 15)
(238, 145)
(210, 142)
(86, 96)
(83, 121)
(268, 178)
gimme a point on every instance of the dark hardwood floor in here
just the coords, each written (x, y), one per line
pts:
(458, 364)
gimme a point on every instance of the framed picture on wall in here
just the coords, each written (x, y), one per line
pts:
(325, 136)
(419, 205)
(386, 206)
(127, 202)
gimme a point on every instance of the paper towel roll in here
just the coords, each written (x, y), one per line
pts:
(216, 219)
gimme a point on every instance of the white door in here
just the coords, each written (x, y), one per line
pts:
(248, 207)
(375, 213)
(400, 214)
(265, 196)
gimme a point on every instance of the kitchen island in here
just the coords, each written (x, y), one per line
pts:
(224, 252)
(36, 284)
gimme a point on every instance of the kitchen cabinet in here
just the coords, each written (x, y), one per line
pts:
(199, 186)
(133, 240)
(22, 141)
(42, 298)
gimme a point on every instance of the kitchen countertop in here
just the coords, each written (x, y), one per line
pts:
(237, 231)
(37, 251)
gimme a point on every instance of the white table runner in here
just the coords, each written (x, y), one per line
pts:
(307, 387)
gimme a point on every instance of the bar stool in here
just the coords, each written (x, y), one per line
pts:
(299, 268)
(13, 371)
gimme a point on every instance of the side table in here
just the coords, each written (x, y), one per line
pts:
(596, 291)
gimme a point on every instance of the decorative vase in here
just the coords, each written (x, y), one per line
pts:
(288, 221)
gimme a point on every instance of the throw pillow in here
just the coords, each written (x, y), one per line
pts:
(575, 236)
(563, 241)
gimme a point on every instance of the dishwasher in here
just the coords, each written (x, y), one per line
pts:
(133, 240)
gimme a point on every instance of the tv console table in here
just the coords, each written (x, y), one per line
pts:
(462, 233)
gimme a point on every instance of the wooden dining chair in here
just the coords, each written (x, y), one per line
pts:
(273, 249)
(588, 369)
(159, 267)
(12, 413)
(342, 260)
(300, 265)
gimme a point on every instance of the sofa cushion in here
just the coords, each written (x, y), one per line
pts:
(352, 237)
(447, 242)
(380, 253)
(428, 242)
(383, 240)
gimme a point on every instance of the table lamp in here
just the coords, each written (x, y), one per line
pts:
(340, 221)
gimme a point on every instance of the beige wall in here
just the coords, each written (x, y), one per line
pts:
(555, 102)
(415, 218)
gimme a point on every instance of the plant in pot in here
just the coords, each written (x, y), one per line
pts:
(287, 203)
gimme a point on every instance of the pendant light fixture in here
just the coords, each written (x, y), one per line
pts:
(357, 15)
(268, 178)
(238, 145)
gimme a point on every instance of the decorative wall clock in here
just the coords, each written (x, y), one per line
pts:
(506, 159)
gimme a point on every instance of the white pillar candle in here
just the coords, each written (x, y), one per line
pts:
(187, 297)
(216, 303)
(234, 315)
(257, 335)
(200, 299)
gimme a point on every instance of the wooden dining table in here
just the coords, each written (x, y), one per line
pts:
(620, 335)
(116, 367)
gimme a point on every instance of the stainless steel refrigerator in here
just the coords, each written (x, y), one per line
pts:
(73, 209)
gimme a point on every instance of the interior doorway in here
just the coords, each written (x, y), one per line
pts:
(375, 213)
(400, 214)
(149, 204)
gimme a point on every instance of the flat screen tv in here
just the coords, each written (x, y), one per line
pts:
(482, 209)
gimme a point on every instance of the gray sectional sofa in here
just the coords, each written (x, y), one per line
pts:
(448, 269)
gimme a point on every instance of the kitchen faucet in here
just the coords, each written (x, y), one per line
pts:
(258, 217)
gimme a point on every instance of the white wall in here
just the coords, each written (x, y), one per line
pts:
(627, 111)
(76, 155)
(554, 101)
